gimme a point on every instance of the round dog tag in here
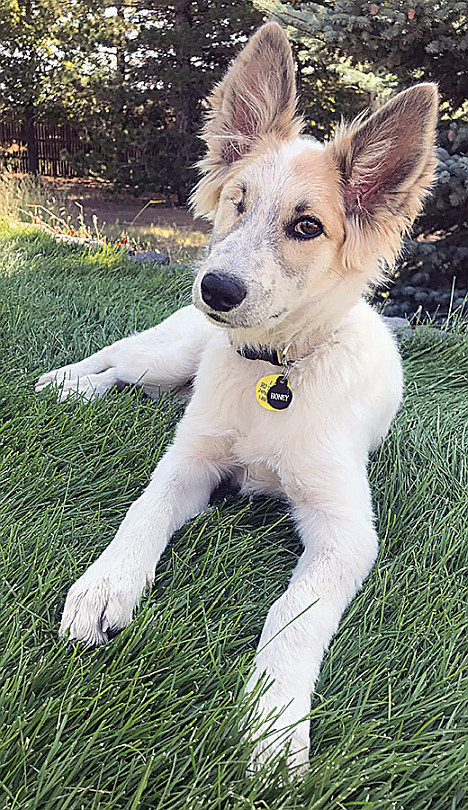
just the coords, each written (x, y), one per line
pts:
(273, 392)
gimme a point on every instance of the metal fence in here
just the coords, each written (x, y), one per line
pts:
(56, 146)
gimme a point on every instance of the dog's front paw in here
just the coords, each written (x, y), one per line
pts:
(70, 382)
(57, 376)
(97, 608)
(282, 728)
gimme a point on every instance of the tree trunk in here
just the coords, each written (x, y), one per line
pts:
(184, 110)
(29, 135)
(121, 47)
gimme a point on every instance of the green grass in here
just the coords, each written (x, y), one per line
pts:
(151, 720)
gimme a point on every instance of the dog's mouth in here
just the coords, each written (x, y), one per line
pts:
(217, 318)
(242, 325)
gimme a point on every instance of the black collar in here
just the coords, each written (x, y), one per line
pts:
(268, 355)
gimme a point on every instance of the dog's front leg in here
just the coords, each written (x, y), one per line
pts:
(340, 546)
(166, 356)
(103, 600)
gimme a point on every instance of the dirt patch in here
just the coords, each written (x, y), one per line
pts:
(98, 199)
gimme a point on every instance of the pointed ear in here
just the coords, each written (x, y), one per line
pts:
(386, 164)
(256, 98)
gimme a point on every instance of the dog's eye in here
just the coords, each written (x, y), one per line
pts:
(238, 198)
(239, 205)
(305, 228)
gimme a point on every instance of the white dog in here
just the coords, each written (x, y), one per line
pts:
(295, 377)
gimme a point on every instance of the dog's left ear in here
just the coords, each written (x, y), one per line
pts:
(257, 98)
(386, 165)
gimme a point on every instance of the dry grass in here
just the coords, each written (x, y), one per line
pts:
(181, 244)
(54, 210)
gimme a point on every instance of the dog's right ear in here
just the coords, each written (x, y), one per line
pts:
(386, 165)
(257, 98)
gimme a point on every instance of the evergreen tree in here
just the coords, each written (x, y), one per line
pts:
(176, 54)
(54, 64)
(414, 39)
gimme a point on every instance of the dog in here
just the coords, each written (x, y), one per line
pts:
(295, 378)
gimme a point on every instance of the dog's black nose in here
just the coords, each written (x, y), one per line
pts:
(222, 293)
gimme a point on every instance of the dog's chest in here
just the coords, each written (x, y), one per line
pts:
(232, 397)
(265, 444)
(261, 443)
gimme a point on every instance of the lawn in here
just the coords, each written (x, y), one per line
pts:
(151, 720)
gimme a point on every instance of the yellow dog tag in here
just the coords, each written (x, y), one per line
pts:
(273, 392)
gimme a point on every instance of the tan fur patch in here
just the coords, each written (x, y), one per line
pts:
(315, 178)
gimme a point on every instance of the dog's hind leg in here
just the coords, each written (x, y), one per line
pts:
(166, 356)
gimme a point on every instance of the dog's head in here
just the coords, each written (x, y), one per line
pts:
(299, 227)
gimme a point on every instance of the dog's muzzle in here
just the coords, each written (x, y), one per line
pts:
(222, 293)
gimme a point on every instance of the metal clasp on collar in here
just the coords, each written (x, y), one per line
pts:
(283, 360)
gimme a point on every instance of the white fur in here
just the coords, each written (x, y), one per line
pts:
(314, 453)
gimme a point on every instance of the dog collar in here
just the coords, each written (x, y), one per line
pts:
(285, 358)
(272, 392)
(272, 356)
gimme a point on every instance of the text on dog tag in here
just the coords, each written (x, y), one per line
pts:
(273, 392)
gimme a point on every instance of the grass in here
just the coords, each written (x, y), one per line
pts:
(50, 208)
(151, 720)
(182, 245)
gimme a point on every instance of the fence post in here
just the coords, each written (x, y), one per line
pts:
(29, 134)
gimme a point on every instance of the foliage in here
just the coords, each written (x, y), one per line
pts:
(55, 65)
(172, 59)
(412, 40)
(448, 208)
(131, 77)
